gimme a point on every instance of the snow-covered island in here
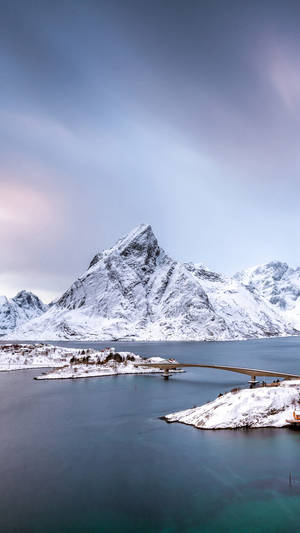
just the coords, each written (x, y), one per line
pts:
(108, 362)
(248, 408)
(73, 363)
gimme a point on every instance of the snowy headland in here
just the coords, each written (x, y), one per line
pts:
(66, 363)
(249, 408)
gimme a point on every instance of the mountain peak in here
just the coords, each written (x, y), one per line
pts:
(278, 269)
(18, 310)
(275, 269)
(140, 241)
(137, 239)
(23, 294)
(27, 299)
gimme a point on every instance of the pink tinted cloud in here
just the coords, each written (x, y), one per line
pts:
(284, 74)
(26, 212)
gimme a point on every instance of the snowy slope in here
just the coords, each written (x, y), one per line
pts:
(18, 310)
(279, 284)
(134, 290)
(262, 407)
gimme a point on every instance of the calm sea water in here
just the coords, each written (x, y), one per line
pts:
(92, 454)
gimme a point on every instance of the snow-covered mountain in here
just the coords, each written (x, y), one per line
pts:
(16, 311)
(134, 290)
(279, 284)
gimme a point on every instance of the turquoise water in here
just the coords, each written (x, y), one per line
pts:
(93, 455)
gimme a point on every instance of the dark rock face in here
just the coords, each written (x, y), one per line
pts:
(28, 300)
(95, 260)
(277, 270)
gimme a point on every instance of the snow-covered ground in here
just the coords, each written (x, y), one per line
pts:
(251, 408)
(20, 356)
(111, 368)
(73, 363)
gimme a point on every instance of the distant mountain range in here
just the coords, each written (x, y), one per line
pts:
(135, 291)
(16, 311)
(277, 283)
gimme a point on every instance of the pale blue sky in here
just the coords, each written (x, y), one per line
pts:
(181, 114)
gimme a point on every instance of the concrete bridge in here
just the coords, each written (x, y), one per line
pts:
(252, 372)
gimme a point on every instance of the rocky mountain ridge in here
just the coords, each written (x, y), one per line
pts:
(278, 284)
(134, 290)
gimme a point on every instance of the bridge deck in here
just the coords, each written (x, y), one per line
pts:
(240, 370)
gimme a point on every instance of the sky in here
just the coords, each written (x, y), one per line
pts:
(180, 114)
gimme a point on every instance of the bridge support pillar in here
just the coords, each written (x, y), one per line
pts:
(253, 381)
(166, 374)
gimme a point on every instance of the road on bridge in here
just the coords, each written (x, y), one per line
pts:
(253, 372)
